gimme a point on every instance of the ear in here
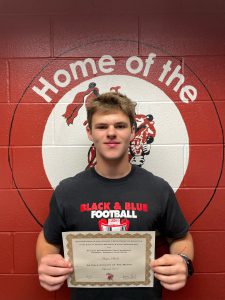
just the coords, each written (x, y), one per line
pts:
(132, 133)
(89, 134)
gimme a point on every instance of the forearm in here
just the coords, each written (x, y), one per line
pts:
(183, 245)
(44, 248)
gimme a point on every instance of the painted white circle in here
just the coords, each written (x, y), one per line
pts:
(65, 148)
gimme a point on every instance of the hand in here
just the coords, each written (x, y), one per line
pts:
(171, 271)
(53, 270)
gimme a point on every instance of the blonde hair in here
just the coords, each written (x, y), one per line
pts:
(108, 102)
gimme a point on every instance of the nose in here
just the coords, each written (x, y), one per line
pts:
(111, 132)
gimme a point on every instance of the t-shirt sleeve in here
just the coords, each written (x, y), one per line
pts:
(54, 224)
(173, 222)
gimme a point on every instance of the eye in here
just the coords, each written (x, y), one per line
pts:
(121, 126)
(101, 126)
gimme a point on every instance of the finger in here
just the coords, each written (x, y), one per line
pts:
(54, 271)
(166, 270)
(170, 279)
(51, 280)
(166, 260)
(55, 260)
(51, 288)
(173, 287)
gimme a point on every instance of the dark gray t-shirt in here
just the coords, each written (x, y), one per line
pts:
(139, 201)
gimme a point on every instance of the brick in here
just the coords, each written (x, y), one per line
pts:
(203, 6)
(22, 74)
(188, 73)
(26, 6)
(194, 204)
(22, 287)
(4, 94)
(195, 117)
(6, 180)
(207, 244)
(6, 250)
(38, 201)
(205, 166)
(201, 287)
(14, 216)
(210, 70)
(24, 252)
(222, 178)
(77, 36)
(6, 115)
(202, 122)
(214, 214)
(162, 167)
(166, 115)
(174, 34)
(62, 162)
(192, 77)
(24, 36)
(91, 7)
(26, 74)
(192, 201)
(29, 123)
(153, 76)
(46, 7)
(220, 107)
(137, 7)
(28, 169)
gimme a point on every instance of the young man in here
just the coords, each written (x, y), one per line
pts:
(114, 180)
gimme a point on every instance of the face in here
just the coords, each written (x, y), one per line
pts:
(111, 134)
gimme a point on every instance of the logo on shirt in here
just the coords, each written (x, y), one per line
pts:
(114, 216)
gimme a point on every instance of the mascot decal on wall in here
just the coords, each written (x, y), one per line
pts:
(171, 140)
(144, 127)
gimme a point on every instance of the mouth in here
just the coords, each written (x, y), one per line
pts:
(112, 144)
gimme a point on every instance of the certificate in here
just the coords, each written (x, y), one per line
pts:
(115, 259)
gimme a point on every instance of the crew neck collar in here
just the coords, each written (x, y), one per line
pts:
(106, 179)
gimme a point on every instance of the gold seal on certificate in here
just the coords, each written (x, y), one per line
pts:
(110, 259)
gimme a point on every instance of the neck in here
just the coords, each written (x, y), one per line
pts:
(113, 170)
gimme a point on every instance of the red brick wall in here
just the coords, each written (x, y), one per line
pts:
(30, 36)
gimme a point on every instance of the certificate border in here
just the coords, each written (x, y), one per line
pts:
(148, 238)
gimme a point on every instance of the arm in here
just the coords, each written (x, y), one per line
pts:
(171, 269)
(53, 269)
(183, 245)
